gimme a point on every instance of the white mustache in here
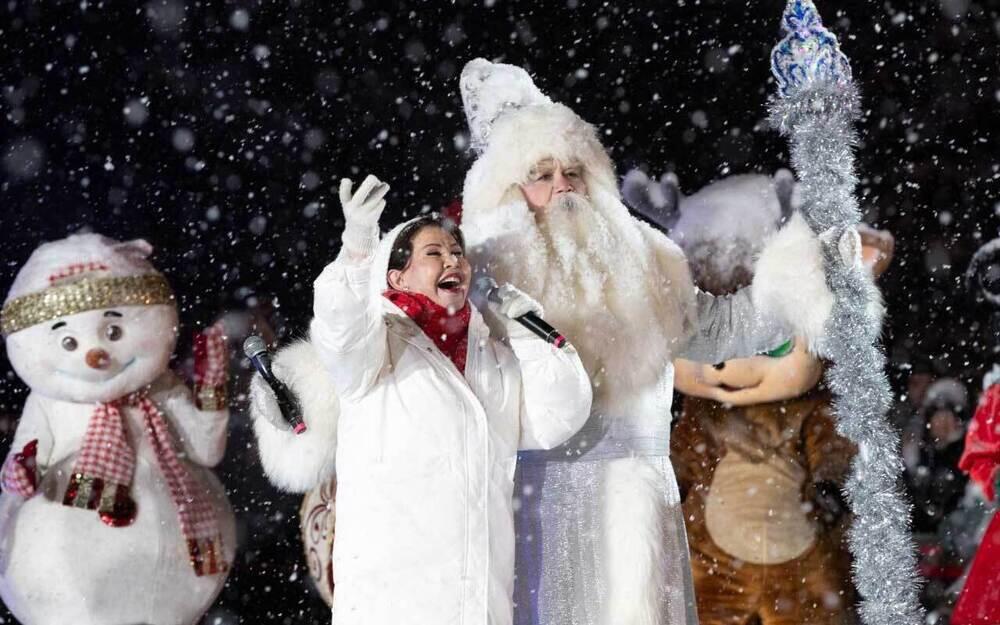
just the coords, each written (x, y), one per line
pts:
(570, 201)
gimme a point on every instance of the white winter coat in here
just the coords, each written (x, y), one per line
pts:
(425, 456)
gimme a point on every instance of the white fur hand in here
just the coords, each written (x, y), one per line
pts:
(364, 206)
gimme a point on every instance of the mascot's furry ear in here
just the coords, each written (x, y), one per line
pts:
(656, 202)
(983, 275)
(784, 187)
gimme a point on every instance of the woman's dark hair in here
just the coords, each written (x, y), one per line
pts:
(402, 247)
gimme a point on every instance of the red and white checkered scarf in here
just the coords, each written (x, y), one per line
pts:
(102, 477)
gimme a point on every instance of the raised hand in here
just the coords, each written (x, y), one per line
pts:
(365, 205)
(657, 201)
(362, 210)
(20, 472)
(211, 368)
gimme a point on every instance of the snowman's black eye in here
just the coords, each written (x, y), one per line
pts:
(68, 343)
(113, 333)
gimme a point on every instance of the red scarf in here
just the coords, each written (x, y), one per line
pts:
(102, 479)
(450, 332)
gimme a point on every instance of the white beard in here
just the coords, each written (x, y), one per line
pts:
(619, 291)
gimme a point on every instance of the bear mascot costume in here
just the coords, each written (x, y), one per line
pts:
(758, 460)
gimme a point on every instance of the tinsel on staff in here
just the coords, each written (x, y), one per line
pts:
(816, 108)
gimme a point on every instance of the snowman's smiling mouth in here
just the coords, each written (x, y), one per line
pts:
(107, 379)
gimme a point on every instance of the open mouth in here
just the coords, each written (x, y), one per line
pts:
(451, 283)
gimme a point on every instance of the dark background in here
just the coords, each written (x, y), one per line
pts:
(218, 131)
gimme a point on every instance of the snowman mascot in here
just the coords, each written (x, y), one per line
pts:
(109, 513)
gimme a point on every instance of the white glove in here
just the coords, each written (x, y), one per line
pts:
(513, 303)
(361, 213)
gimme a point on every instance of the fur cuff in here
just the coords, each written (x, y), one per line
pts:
(297, 462)
(790, 283)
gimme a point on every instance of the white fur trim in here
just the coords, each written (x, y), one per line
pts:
(297, 462)
(490, 90)
(519, 139)
(790, 283)
(633, 515)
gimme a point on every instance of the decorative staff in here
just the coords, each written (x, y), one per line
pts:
(817, 106)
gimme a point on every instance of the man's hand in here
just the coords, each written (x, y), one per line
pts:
(20, 472)
(848, 246)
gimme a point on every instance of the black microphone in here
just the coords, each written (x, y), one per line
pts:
(256, 350)
(488, 287)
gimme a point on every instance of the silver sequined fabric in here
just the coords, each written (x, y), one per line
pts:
(560, 551)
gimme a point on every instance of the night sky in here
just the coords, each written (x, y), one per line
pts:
(218, 131)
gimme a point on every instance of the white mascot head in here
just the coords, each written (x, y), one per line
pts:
(88, 319)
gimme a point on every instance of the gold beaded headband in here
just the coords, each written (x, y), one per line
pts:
(82, 295)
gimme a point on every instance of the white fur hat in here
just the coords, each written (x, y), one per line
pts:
(513, 127)
(490, 89)
(82, 272)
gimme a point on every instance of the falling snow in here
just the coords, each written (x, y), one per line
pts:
(220, 134)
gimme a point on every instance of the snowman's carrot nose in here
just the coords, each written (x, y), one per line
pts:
(98, 359)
